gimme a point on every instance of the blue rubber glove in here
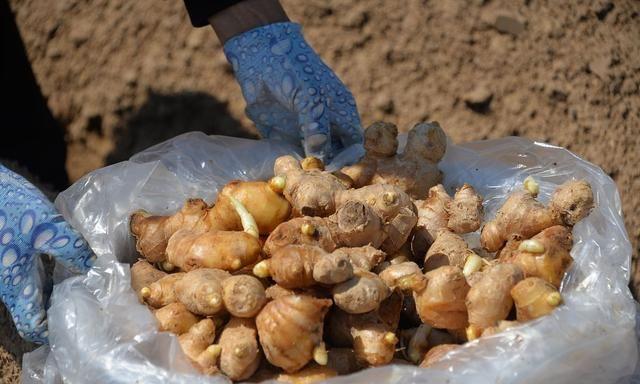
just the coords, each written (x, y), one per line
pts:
(290, 93)
(29, 226)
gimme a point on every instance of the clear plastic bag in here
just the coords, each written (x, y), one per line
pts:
(99, 332)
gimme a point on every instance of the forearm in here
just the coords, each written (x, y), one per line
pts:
(246, 15)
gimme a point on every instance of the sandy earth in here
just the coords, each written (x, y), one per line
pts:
(122, 75)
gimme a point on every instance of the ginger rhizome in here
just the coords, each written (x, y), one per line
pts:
(302, 266)
(267, 207)
(197, 345)
(441, 303)
(144, 274)
(240, 352)
(522, 216)
(534, 297)
(371, 334)
(414, 170)
(290, 330)
(439, 211)
(489, 299)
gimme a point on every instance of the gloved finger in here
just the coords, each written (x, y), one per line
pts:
(316, 132)
(347, 156)
(22, 294)
(55, 237)
(272, 120)
(345, 120)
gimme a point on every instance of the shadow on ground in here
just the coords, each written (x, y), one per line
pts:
(164, 116)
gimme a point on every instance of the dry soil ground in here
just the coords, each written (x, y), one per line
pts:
(122, 75)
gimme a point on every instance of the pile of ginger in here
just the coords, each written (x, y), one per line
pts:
(314, 274)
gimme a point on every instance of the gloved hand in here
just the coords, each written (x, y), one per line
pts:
(290, 93)
(29, 226)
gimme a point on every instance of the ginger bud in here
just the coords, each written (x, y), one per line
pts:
(261, 269)
(389, 197)
(145, 292)
(278, 183)
(532, 246)
(472, 264)
(248, 222)
(473, 332)
(390, 338)
(534, 297)
(310, 162)
(320, 355)
(531, 185)
(308, 229)
(167, 266)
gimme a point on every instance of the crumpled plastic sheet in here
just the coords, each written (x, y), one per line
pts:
(99, 332)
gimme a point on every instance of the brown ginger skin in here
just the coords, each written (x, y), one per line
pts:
(465, 210)
(290, 328)
(448, 249)
(227, 250)
(301, 266)
(240, 356)
(436, 354)
(162, 292)
(552, 263)
(153, 232)
(195, 342)
(142, 275)
(521, 216)
(200, 291)
(442, 303)
(175, 318)
(572, 201)
(432, 216)
(414, 171)
(404, 276)
(354, 225)
(312, 373)
(267, 207)
(534, 297)
(371, 334)
(243, 296)
(489, 300)
(362, 293)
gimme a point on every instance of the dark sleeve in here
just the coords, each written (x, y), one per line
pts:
(200, 10)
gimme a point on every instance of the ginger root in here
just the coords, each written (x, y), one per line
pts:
(144, 274)
(448, 249)
(414, 171)
(266, 206)
(290, 330)
(462, 214)
(406, 275)
(301, 266)
(354, 225)
(521, 216)
(441, 303)
(161, 292)
(312, 373)
(243, 295)
(545, 255)
(489, 299)
(372, 334)
(227, 250)
(240, 354)
(175, 318)
(362, 293)
(200, 291)
(534, 297)
(436, 354)
(197, 345)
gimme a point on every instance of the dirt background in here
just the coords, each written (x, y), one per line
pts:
(122, 75)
